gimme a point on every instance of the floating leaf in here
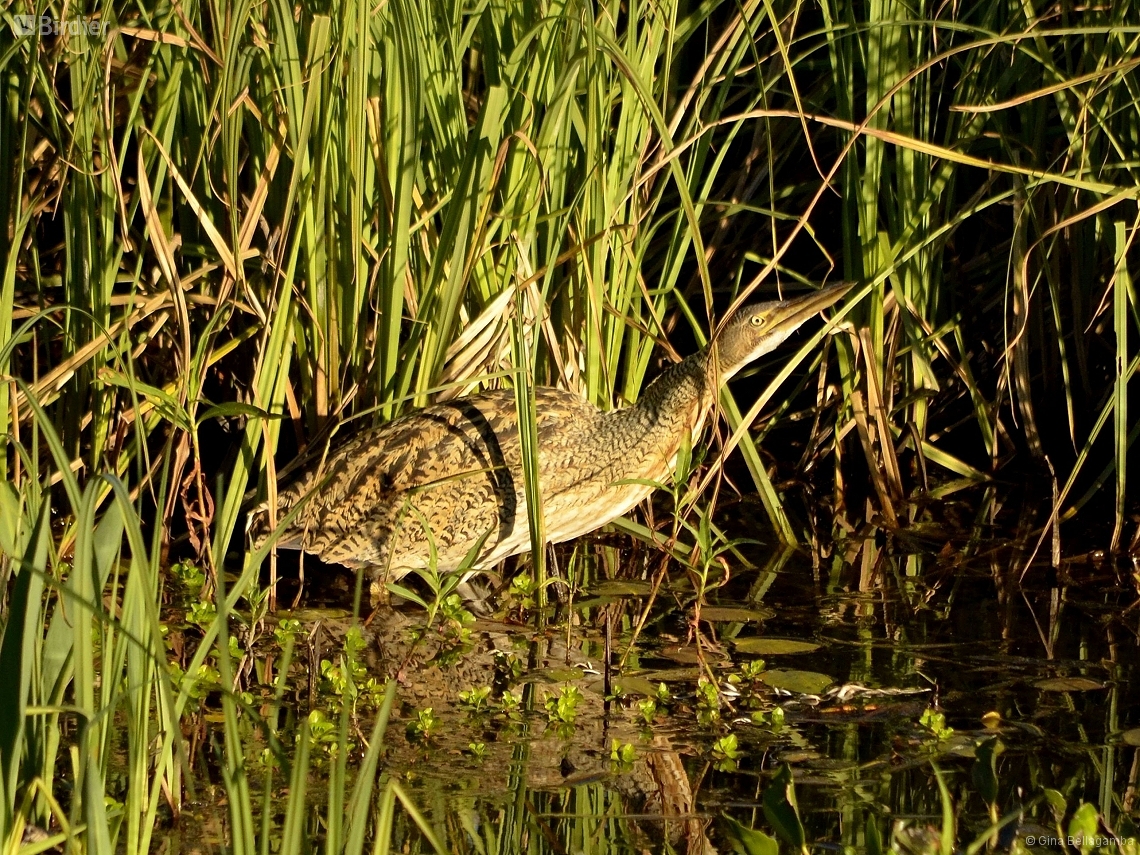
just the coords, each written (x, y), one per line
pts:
(799, 682)
(327, 615)
(555, 675)
(672, 675)
(1068, 684)
(637, 686)
(622, 588)
(684, 653)
(588, 603)
(764, 646)
(798, 757)
(734, 614)
(748, 841)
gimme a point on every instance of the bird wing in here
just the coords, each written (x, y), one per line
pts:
(449, 473)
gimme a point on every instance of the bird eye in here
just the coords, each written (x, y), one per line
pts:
(757, 320)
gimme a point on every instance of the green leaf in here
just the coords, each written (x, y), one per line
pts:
(947, 834)
(17, 646)
(800, 682)
(88, 607)
(1056, 803)
(236, 408)
(408, 594)
(165, 403)
(985, 769)
(293, 830)
(734, 614)
(1068, 684)
(622, 588)
(872, 840)
(780, 809)
(1083, 827)
(10, 519)
(773, 646)
(748, 841)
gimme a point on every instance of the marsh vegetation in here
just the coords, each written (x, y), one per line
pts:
(234, 231)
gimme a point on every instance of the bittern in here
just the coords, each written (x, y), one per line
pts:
(441, 483)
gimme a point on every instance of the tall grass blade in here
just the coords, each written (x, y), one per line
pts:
(293, 837)
(528, 442)
(18, 645)
(90, 622)
(1121, 295)
(361, 800)
(243, 839)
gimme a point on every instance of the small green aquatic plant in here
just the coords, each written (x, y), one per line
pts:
(772, 718)
(748, 683)
(509, 666)
(201, 614)
(198, 684)
(1044, 820)
(453, 630)
(522, 592)
(286, 631)
(726, 751)
(510, 705)
(442, 585)
(324, 734)
(647, 710)
(935, 721)
(346, 681)
(309, 206)
(476, 701)
(563, 707)
(189, 576)
(424, 725)
(652, 707)
(622, 755)
(708, 702)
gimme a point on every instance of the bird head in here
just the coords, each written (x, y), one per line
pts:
(760, 328)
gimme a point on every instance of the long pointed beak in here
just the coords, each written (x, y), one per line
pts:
(795, 310)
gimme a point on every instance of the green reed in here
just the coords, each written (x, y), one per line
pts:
(311, 229)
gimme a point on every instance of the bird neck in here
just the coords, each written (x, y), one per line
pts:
(732, 353)
(685, 390)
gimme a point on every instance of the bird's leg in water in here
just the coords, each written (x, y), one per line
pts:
(379, 597)
(607, 687)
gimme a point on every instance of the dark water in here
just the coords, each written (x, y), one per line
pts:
(885, 666)
(1041, 669)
